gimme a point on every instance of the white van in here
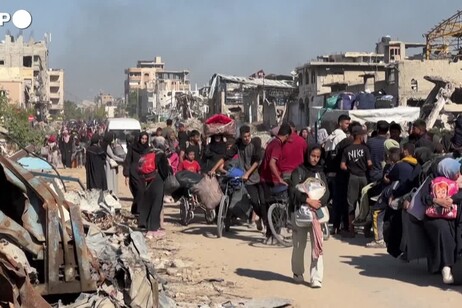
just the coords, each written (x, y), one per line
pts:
(122, 127)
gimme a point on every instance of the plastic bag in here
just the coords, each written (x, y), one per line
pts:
(171, 184)
(304, 216)
(315, 188)
(119, 151)
(209, 192)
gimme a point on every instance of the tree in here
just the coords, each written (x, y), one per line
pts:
(71, 111)
(132, 104)
(16, 121)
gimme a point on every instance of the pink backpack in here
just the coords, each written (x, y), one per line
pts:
(442, 187)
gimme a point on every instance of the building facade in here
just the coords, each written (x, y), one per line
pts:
(25, 76)
(105, 99)
(15, 83)
(56, 91)
(405, 71)
(153, 87)
(317, 79)
(16, 53)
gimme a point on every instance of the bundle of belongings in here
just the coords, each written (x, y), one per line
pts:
(219, 124)
(363, 100)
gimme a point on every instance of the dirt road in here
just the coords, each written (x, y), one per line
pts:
(354, 276)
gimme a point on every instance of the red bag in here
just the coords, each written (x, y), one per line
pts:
(436, 211)
(219, 124)
(218, 119)
(147, 166)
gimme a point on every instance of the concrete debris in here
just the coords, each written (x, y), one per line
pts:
(129, 279)
(94, 200)
(193, 123)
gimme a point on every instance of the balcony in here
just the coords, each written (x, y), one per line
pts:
(55, 95)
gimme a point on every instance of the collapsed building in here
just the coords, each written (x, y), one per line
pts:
(396, 69)
(256, 99)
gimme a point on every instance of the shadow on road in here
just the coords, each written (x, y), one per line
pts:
(210, 231)
(264, 275)
(382, 265)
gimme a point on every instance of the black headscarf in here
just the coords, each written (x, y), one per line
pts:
(319, 166)
(218, 148)
(94, 139)
(138, 146)
(95, 147)
(107, 140)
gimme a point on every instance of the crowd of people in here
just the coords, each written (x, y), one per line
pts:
(371, 180)
(403, 184)
(67, 149)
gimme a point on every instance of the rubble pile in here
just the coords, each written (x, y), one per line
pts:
(102, 209)
(126, 275)
(193, 123)
(82, 242)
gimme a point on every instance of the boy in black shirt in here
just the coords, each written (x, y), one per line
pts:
(356, 159)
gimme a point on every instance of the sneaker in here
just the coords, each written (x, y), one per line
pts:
(447, 275)
(298, 278)
(316, 284)
(376, 244)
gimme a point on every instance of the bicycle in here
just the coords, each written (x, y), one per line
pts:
(279, 219)
(188, 205)
(230, 184)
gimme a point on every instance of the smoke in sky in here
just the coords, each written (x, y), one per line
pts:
(94, 41)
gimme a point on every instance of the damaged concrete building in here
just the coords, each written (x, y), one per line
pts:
(152, 87)
(251, 99)
(25, 78)
(395, 68)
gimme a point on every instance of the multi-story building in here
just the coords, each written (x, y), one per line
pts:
(16, 53)
(153, 87)
(56, 91)
(105, 99)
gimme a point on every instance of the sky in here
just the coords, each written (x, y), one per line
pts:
(94, 41)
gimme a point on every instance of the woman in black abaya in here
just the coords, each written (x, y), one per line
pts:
(94, 165)
(132, 177)
(151, 204)
(444, 235)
